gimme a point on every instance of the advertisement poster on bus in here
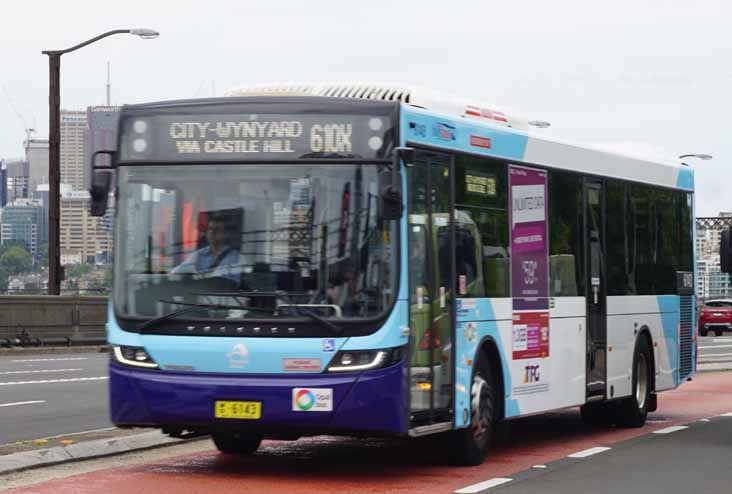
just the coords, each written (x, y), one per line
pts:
(529, 279)
(530, 337)
(529, 242)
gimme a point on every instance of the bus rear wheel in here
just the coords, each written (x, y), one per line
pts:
(237, 443)
(633, 411)
(469, 445)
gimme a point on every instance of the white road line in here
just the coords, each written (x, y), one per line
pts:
(45, 381)
(21, 403)
(49, 359)
(39, 371)
(483, 485)
(539, 466)
(715, 346)
(669, 430)
(704, 420)
(722, 340)
(726, 414)
(589, 452)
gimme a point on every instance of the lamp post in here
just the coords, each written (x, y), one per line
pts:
(700, 156)
(54, 156)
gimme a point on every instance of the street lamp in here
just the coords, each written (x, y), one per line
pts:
(700, 156)
(54, 157)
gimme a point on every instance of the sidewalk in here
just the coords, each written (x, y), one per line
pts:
(69, 450)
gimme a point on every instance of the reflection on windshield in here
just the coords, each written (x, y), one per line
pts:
(290, 238)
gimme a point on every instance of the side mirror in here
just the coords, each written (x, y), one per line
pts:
(391, 197)
(101, 183)
(391, 205)
(725, 251)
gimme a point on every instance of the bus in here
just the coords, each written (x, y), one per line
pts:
(369, 260)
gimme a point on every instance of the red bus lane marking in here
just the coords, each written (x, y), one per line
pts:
(335, 465)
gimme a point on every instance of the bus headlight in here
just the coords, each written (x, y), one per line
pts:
(133, 356)
(360, 360)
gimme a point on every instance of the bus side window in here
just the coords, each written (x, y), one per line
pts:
(468, 255)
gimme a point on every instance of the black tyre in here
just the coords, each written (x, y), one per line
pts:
(703, 331)
(632, 411)
(468, 446)
(237, 443)
(719, 332)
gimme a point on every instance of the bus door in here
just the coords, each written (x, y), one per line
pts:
(431, 281)
(594, 226)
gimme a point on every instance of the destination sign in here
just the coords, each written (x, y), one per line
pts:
(256, 136)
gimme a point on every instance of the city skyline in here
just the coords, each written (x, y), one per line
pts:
(596, 74)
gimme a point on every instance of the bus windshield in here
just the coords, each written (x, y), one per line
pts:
(253, 241)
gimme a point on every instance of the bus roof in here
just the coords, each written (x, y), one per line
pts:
(480, 128)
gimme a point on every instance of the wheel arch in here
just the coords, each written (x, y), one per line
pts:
(488, 349)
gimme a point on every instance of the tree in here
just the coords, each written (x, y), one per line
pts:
(77, 271)
(4, 279)
(42, 256)
(16, 260)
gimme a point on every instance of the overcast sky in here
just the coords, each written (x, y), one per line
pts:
(655, 75)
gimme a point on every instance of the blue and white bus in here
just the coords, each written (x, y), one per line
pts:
(370, 260)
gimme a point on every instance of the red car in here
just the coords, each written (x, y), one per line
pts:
(716, 315)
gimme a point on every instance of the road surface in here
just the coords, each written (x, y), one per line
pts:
(48, 395)
(336, 465)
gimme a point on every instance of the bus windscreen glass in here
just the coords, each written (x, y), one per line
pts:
(287, 238)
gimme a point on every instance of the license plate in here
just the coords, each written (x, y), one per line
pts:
(717, 314)
(251, 410)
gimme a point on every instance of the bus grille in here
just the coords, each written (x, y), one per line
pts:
(686, 336)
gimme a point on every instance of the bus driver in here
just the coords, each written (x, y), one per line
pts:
(218, 258)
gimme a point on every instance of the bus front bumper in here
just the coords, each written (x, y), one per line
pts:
(373, 401)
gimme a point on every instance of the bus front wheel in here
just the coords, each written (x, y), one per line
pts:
(237, 443)
(469, 445)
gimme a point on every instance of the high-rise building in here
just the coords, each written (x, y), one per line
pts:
(707, 242)
(36, 154)
(83, 236)
(23, 221)
(73, 149)
(17, 179)
(3, 184)
(711, 281)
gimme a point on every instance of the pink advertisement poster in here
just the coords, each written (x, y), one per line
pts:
(530, 335)
(529, 242)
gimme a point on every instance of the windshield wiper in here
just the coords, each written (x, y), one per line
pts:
(333, 328)
(190, 307)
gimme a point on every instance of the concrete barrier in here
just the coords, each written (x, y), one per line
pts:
(40, 317)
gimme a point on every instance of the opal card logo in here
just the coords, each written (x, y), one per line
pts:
(312, 400)
(444, 132)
